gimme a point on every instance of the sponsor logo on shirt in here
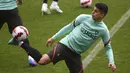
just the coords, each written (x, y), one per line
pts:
(92, 34)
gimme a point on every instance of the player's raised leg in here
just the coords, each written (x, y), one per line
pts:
(31, 51)
(35, 54)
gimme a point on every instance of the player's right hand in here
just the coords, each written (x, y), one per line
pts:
(112, 66)
(49, 42)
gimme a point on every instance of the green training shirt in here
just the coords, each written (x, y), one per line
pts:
(83, 32)
(7, 4)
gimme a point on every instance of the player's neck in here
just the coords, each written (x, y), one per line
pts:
(98, 20)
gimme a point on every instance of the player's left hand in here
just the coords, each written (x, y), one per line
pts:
(112, 66)
(19, 2)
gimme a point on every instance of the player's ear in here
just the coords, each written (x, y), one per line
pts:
(102, 14)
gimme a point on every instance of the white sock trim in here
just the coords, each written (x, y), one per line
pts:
(20, 43)
(54, 3)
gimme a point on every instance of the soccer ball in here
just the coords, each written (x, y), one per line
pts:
(85, 3)
(31, 61)
(20, 33)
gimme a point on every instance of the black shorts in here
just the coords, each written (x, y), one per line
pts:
(11, 17)
(72, 59)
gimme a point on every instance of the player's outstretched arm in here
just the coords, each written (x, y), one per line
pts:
(109, 53)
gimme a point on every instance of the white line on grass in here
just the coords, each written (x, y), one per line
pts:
(100, 45)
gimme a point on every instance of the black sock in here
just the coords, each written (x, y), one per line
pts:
(32, 52)
(26, 41)
(44, 1)
(55, 0)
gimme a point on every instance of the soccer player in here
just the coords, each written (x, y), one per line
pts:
(83, 32)
(54, 6)
(9, 14)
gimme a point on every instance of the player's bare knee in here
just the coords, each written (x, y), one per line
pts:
(44, 60)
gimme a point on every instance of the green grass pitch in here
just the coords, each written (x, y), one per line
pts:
(13, 59)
